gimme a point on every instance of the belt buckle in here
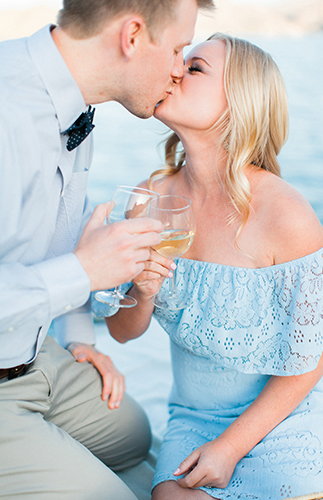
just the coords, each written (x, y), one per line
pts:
(16, 371)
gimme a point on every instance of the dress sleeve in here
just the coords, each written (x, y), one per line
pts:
(267, 321)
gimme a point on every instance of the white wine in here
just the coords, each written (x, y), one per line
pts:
(174, 243)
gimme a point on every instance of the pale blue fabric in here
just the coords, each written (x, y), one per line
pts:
(43, 205)
(243, 326)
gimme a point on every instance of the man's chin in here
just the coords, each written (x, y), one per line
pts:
(140, 112)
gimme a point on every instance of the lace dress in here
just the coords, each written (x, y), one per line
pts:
(245, 325)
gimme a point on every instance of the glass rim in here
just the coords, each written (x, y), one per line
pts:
(140, 189)
(160, 196)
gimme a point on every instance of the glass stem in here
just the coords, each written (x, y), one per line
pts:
(171, 283)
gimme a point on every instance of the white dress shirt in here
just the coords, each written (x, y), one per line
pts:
(43, 204)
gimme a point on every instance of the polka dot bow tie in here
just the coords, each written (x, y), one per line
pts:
(80, 129)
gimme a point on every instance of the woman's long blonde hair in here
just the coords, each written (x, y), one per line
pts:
(253, 128)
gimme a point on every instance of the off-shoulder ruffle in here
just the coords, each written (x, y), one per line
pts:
(267, 320)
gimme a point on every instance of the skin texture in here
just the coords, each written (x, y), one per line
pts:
(123, 64)
(281, 227)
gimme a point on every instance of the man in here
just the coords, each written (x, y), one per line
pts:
(59, 437)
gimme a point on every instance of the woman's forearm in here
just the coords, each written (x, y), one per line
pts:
(130, 323)
(277, 400)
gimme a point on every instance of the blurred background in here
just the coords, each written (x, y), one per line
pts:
(127, 149)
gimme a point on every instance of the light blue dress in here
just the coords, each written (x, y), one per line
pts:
(243, 326)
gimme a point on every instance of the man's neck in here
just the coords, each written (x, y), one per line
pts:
(85, 58)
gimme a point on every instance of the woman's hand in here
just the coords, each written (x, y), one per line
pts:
(212, 464)
(150, 280)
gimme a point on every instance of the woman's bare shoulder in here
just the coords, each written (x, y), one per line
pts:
(295, 230)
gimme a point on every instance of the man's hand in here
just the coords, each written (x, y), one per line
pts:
(113, 381)
(115, 253)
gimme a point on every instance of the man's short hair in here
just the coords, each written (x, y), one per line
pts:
(86, 18)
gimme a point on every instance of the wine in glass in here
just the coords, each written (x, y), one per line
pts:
(130, 202)
(176, 213)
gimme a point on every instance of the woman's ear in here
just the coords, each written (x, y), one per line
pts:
(132, 31)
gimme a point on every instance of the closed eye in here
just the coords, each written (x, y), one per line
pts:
(194, 68)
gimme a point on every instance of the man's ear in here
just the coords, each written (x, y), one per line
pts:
(132, 30)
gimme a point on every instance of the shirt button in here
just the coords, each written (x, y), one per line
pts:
(68, 307)
(10, 329)
(62, 193)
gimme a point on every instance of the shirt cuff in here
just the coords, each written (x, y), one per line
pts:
(67, 283)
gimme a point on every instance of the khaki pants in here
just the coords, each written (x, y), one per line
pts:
(59, 440)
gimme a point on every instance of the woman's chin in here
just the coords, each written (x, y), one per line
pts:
(160, 113)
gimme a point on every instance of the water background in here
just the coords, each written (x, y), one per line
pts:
(126, 147)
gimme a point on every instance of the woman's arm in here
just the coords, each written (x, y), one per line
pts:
(130, 323)
(213, 463)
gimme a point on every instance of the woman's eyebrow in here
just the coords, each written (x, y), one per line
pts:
(197, 58)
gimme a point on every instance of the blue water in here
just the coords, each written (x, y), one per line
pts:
(126, 147)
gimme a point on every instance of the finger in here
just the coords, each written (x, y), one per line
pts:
(146, 240)
(150, 277)
(117, 392)
(155, 268)
(163, 261)
(141, 255)
(195, 475)
(113, 382)
(194, 479)
(143, 225)
(78, 351)
(110, 207)
(189, 463)
(100, 213)
(107, 381)
(147, 278)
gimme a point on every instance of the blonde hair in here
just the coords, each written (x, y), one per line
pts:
(254, 126)
(86, 18)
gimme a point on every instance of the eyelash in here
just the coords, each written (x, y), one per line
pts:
(192, 69)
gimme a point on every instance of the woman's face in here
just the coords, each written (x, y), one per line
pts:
(198, 101)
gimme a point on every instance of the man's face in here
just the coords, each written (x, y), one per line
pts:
(159, 63)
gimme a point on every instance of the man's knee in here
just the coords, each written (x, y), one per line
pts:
(105, 485)
(134, 436)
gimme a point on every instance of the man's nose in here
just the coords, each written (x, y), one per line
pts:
(178, 68)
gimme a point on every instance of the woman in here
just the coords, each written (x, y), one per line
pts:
(246, 406)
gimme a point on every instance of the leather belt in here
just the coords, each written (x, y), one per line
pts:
(14, 372)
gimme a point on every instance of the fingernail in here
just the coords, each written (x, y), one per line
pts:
(170, 274)
(177, 471)
(117, 405)
(173, 266)
(105, 397)
(81, 356)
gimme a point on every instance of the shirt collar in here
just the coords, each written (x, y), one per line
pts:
(57, 78)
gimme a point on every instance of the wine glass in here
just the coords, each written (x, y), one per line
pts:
(176, 213)
(130, 202)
